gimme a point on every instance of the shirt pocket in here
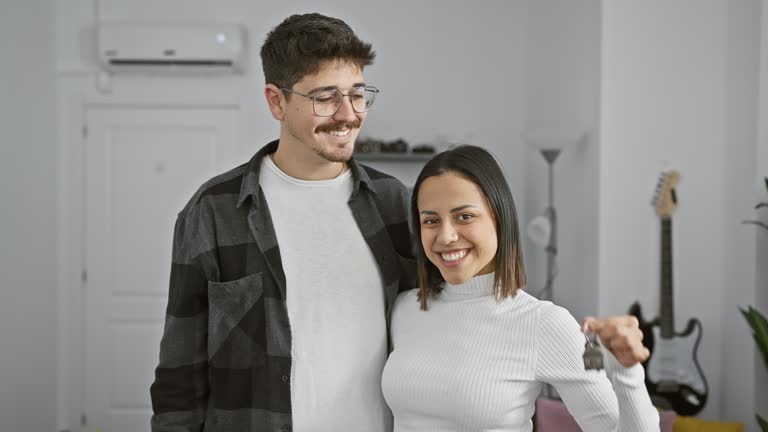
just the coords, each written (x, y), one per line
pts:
(235, 314)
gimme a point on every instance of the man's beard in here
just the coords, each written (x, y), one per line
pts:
(329, 154)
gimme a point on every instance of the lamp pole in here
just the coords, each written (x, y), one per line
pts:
(550, 155)
(550, 144)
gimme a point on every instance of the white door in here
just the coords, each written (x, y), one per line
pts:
(142, 165)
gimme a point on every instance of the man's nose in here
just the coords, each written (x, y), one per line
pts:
(345, 113)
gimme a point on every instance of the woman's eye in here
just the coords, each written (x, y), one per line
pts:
(465, 217)
(429, 221)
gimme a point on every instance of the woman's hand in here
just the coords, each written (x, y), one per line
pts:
(621, 336)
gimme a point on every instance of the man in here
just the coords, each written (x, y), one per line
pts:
(285, 268)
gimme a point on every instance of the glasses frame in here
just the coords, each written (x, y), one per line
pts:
(314, 110)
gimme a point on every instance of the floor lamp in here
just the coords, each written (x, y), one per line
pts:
(542, 230)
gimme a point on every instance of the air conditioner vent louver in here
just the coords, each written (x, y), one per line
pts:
(169, 62)
(171, 47)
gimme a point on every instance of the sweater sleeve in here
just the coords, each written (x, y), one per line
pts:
(636, 411)
(589, 395)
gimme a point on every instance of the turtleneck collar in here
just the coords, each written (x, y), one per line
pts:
(478, 286)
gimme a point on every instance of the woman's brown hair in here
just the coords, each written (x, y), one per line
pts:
(478, 166)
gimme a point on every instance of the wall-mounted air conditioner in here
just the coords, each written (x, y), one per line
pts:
(171, 47)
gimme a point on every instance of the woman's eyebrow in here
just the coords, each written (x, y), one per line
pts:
(453, 210)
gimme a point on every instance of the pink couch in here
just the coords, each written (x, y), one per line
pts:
(553, 416)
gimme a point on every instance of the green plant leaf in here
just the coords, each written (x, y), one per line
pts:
(762, 225)
(759, 325)
(763, 423)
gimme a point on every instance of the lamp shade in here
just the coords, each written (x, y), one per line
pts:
(539, 230)
(552, 139)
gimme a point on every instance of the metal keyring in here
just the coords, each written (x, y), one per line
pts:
(587, 333)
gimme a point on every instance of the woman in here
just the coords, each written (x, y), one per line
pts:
(472, 351)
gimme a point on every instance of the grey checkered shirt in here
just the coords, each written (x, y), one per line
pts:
(225, 355)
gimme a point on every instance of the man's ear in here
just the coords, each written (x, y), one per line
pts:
(275, 100)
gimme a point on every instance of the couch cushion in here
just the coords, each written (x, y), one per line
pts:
(553, 416)
(690, 424)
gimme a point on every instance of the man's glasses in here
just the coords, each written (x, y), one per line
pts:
(326, 103)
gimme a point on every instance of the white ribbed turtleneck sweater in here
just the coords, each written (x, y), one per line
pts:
(470, 363)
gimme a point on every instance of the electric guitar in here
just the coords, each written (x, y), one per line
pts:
(673, 375)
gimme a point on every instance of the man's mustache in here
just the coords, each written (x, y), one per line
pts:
(339, 125)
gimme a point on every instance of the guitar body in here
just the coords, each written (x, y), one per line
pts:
(645, 326)
(673, 375)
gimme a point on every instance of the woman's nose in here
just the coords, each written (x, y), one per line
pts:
(448, 234)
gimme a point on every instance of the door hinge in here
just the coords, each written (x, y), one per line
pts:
(84, 131)
(84, 276)
(83, 419)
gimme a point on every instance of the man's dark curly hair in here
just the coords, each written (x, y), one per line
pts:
(298, 45)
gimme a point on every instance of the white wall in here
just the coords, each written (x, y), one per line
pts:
(663, 95)
(743, 61)
(28, 235)
(761, 279)
(678, 92)
(562, 82)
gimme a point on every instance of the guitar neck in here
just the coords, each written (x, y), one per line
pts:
(667, 309)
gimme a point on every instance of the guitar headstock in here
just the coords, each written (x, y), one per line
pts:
(665, 198)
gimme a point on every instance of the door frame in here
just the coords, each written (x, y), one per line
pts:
(76, 94)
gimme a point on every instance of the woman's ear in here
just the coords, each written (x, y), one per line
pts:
(275, 100)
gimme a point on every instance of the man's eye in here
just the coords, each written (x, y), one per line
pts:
(324, 99)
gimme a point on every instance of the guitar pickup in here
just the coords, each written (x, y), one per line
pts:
(668, 387)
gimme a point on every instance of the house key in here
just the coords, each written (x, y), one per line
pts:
(593, 357)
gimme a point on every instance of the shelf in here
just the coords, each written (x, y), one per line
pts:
(394, 157)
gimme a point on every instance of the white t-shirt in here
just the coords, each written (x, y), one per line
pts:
(335, 305)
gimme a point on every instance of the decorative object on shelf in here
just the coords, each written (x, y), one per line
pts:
(397, 146)
(542, 230)
(397, 150)
(423, 149)
(756, 320)
(393, 157)
(372, 145)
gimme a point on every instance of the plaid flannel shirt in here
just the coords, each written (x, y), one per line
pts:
(225, 355)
